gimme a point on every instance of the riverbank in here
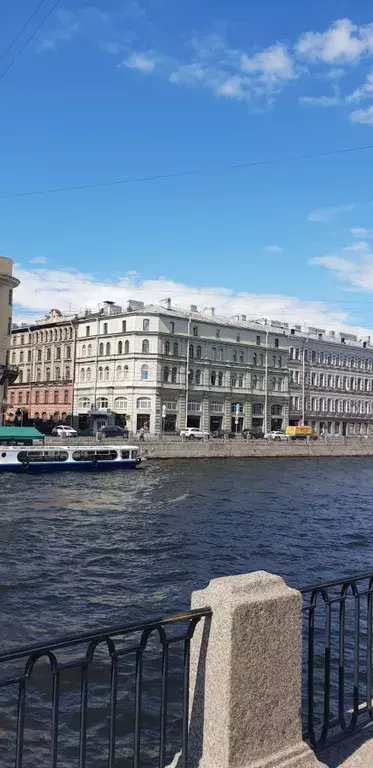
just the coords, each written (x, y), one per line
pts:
(342, 447)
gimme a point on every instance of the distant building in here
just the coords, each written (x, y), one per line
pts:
(8, 372)
(44, 355)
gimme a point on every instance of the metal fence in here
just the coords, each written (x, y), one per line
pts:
(337, 658)
(115, 697)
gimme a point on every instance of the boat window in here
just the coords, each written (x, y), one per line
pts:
(32, 456)
(134, 454)
(95, 455)
(125, 454)
(4, 455)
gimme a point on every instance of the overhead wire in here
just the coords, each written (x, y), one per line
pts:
(36, 30)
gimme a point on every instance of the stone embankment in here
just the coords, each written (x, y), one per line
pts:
(257, 449)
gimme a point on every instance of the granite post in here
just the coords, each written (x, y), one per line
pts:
(245, 676)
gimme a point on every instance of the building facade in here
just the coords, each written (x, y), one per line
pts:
(157, 367)
(44, 354)
(331, 381)
(8, 372)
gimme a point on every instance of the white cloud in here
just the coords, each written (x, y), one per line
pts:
(323, 101)
(144, 62)
(359, 246)
(72, 291)
(273, 64)
(343, 42)
(364, 92)
(358, 270)
(273, 248)
(335, 73)
(360, 231)
(363, 116)
(326, 214)
(38, 260)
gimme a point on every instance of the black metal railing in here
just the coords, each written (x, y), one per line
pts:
(116, 696)
(337, 670)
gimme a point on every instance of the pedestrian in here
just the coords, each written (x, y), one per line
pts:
(142, 432)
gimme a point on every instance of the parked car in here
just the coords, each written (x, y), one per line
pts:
(62, 430)
(276, 434)
(254, 433)
(192, 433)
(222, 433)
(112, 431)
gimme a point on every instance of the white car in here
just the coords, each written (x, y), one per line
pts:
(64, 431)
(276, 434)
(192, 433)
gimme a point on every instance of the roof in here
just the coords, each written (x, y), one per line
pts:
(20, 433)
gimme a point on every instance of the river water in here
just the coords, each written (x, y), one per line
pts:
(79, 551)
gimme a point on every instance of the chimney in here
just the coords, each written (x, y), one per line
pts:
(243, 318)
(193, 308)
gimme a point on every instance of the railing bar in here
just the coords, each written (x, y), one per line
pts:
(327, 662)
(55, 705)
(113, 710)
(138, 691)
(310, 670)
(163, 713)
(356, 659)
(341, 672)
(83, 716)
(337, 582)
(369, 653)
(20, 722)
(185, 726)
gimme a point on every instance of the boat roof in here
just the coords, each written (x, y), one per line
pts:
(20, 433)
(76, 447)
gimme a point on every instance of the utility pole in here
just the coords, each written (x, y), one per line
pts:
(304, 380)
(187, 377)
(266, 388)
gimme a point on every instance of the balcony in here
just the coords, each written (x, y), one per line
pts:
(8, 373)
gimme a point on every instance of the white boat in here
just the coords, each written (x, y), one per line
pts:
(18, 458)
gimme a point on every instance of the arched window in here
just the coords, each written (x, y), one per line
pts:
(257, 409)
(234, 380)
(68, 352)
(100, 373)
(276, 410)
(120, 403)
(220, 378)
(120, 347)
(70, 333)
(37, 336)
(108, 348)
(273, 383)
(191, 350)
(165, 373)
(214, 353)
(101, 349)
(241, 356)
(28, 375)
(198, 377)
(262, 360)
(39, 356)
(280, 362)
(221, 355)
(118, 374)
(106, 373)
(54, 335)
(65, 333)
(13, 357)
(41, 336)
(176, 349)
(48, 353)
(274, 361)
(89, 350)
(174, 375)
(21, 357)
(254, 382)
(255, 359)
(60, 334)
(145, 347)
(67, 372)
(125, 372)
(88, 374)
(199, 352)
(144, 373)
(84, 402)
(82, 374)
(58, 373)
(144, 403)
(213, 378)
(126, 347)
(234, 356)
(240, 380)
(167, 347)
(102, 402)
(20, 377)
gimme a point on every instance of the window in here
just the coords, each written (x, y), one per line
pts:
(199, 352)
(106, 373)
(48, 374)
(221, 355)
(55, 396)
(255, 359)
(174, 375)
(126, 347)
(195, 330)
(101, 349)
(107, 350)
(176, 349)
(234, 380)
(280, 362)
(84, 402)
(191, 350)
(217, 333)
(216, 407)
(88, 374)
(120, 403)
(235, 408)
(274, 361)
(234, 356)
(124, 326)
(145, 347)
(240, 380)
(166, 373)
(214, 353)
(70, 333)
(20, 398)
(194, 406)
(100, 374)
(220, 378)
(10, 297)
(241, 356)
(118, 374)
(172, 327)
(38, 375)
(125, 372)
(198, 377)
(68, 353)
(276, 410)
(29, 356)
(213, 378)
(20, 377)
(144, 403)
(238, 337)
(28, 375)
(67, 372)
(37, 398)
(102, 402)
(46, 396)
(258, 340)
(58, 373)
(105, 329)
(65, 333)
(89, 350)
(277, 342)
(257, 409)
(145, 324)
(66, 396)
(144, 372)
(120, 347)
(49, 353)
(13, 358)
(60, 334)
(82, 374)
(58, 353)
(12, 397)
(22, 339)
(88, 330)
(39, 356)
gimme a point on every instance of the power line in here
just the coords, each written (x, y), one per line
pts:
(21, 31)
(3, 73)
(181, 174)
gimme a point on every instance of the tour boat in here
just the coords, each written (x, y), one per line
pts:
(18, 458)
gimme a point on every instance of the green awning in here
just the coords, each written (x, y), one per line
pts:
(19, 433)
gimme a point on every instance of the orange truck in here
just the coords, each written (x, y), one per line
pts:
(300, 433)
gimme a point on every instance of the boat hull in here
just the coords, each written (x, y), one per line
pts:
(34, 468)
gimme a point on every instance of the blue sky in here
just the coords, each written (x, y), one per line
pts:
(147, 87)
